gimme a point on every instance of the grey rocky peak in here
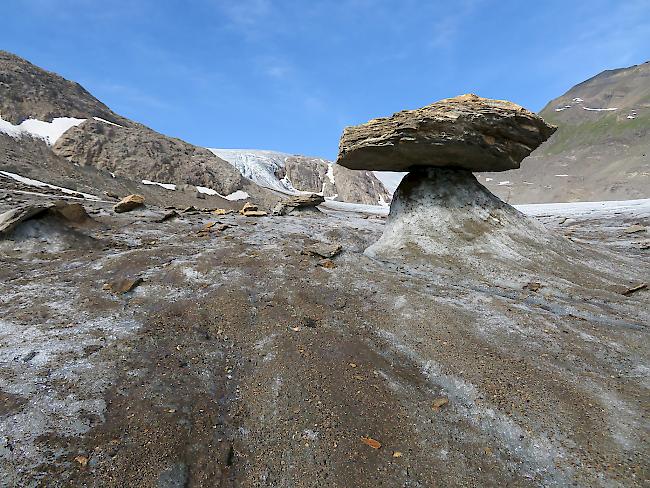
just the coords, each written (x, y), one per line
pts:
(465, 132)
(27, 91)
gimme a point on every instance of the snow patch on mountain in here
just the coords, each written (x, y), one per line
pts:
(238, 195)
(599, 109)
(40, 184)
(48, 131)
(99, 119)
(166, 186)
(206, 191)
(281, 172)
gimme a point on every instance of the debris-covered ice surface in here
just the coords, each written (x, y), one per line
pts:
(241, 359)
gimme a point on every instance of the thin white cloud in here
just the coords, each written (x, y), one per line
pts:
(449, 25)
(245, 15)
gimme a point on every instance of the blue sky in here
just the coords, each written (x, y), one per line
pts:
(290, 74)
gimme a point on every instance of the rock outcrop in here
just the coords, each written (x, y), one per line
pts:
(70, 213)
(111, 153)
(308, 174)
(299, 202)
(465, 132)
(439, 208)
(140, 153)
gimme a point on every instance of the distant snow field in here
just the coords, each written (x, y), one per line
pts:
(99, 119)
(638, 208)
(390, 179)
(237, 195)
(579, 101)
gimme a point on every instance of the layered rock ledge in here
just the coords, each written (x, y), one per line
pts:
(465, 132)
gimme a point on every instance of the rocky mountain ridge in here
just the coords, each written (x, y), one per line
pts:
(601, 150)
(292, 173)
(64, 121)
(27, 91)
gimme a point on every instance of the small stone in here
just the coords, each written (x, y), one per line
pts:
(327, 264)
(129, 203)
(634, 289)
(251, 210)
(438, 403)
(172, 214)
(533, 286)
(123, 286)
(369, 441)
(632, 229)
(323, 249)
(82, 460)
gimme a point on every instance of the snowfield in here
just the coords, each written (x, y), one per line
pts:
(48, 131)
(167, 186)
(632, 208)
(40, 184)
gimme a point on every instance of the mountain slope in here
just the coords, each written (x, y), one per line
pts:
(601, 150)
(43, 109)
(27, 91)
(48, 122)
(293, 173)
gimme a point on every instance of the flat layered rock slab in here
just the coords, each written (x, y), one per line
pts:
(466, 132)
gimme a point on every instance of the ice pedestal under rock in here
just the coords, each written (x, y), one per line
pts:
(447, 213)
